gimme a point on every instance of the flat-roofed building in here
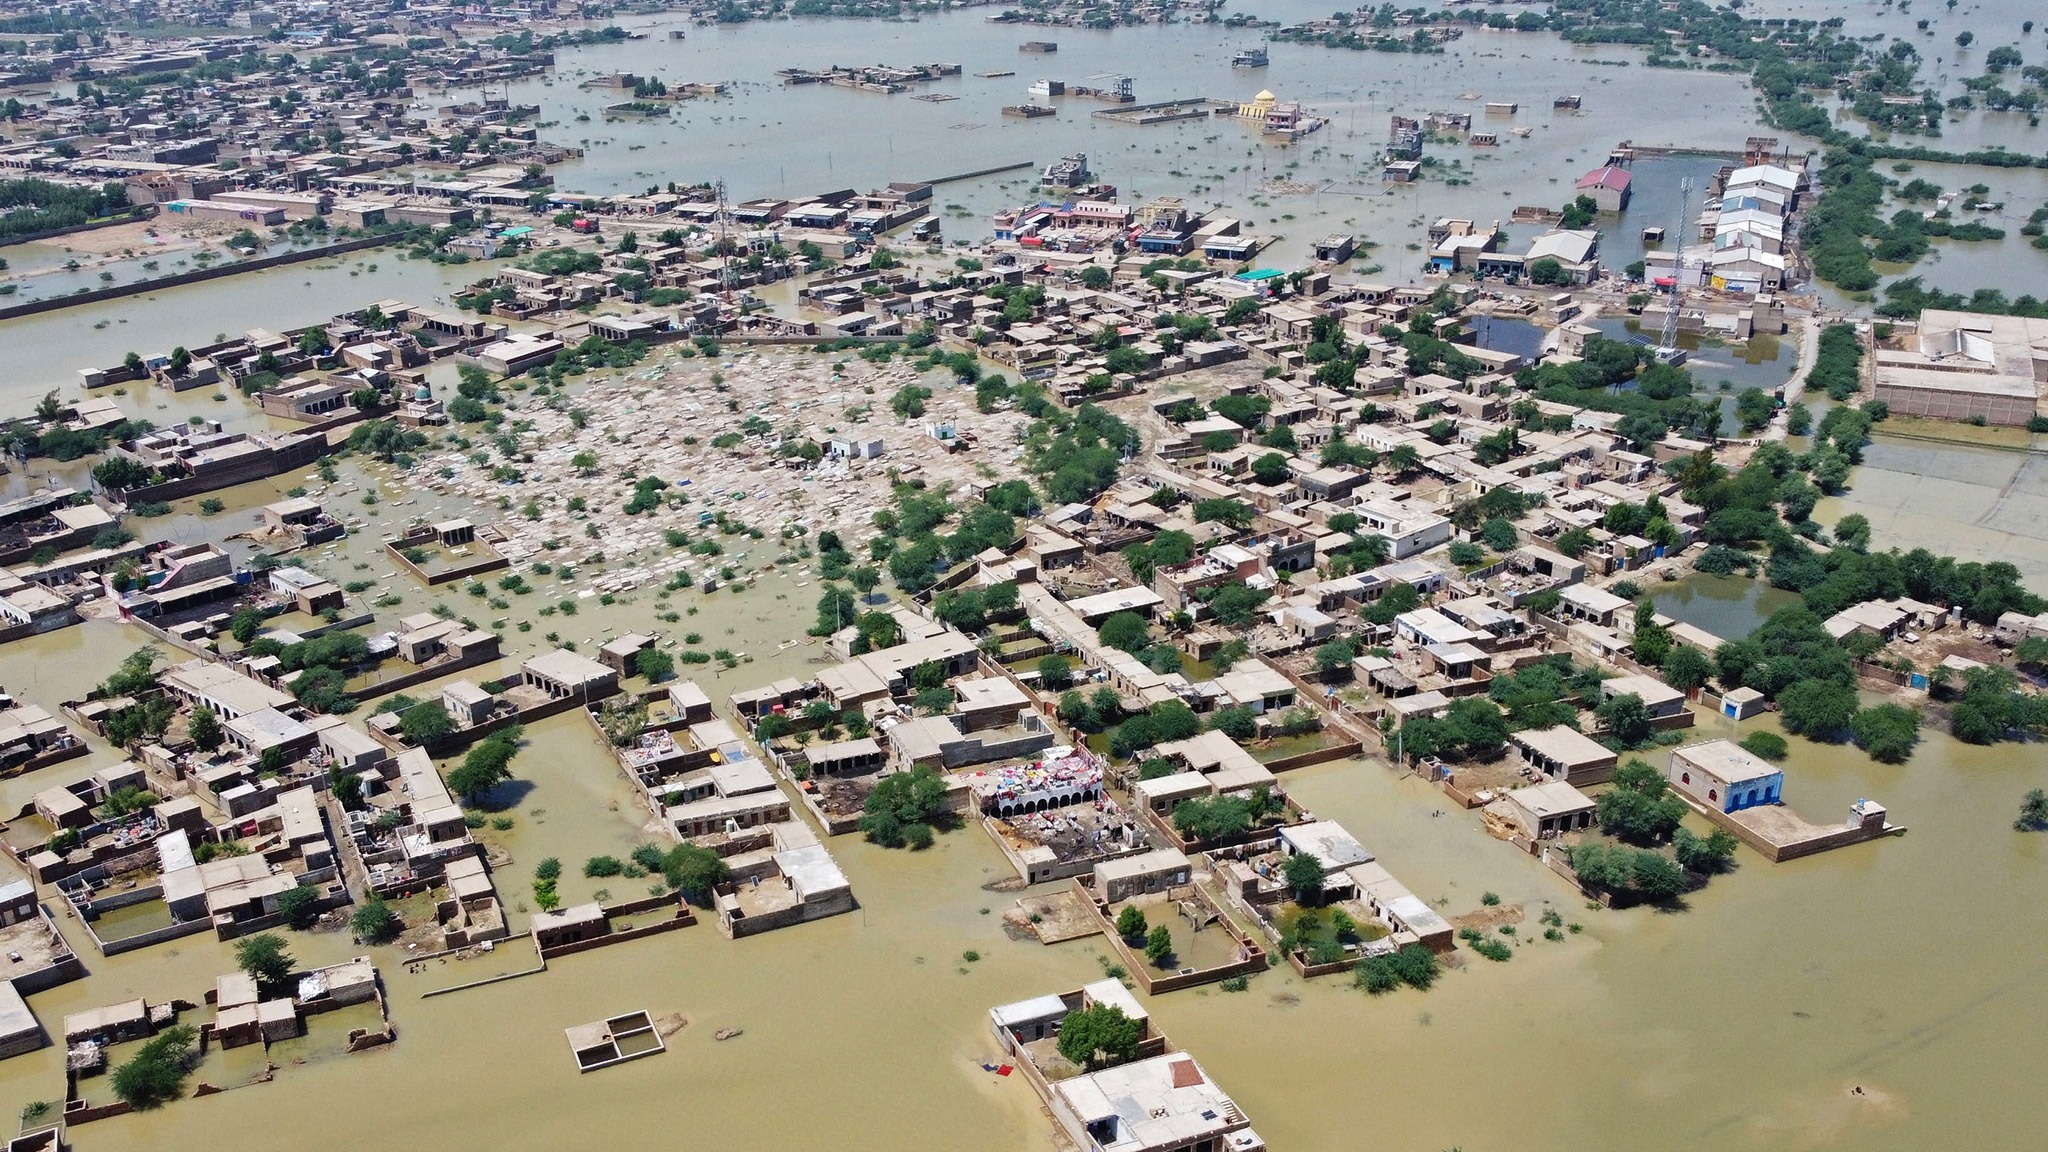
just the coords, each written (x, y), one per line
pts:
(563, 674)
(1967, 366)
(1660, 698)
(1565, 754)
(845, 757)
(1147, 872)
(1542, 811)
(1722, 776)
(1164, 1104)
(19, 1031)
(222, 689)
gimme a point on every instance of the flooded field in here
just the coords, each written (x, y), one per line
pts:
(1973, 502)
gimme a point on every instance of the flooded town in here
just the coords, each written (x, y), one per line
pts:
(1160, 577)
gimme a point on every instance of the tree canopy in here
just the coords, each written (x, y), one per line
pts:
(1640, 808)
(1100, 1036)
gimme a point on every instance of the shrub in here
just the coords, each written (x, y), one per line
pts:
(1765, 745)
(1493, 950)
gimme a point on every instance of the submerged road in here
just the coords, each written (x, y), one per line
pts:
(1809, 353)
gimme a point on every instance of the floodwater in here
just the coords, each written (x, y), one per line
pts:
(1797, 982)
(1785, 986)
(1952, 497)
(1730, 607)
(1502, 334)
(47, 350)
(1744, 1021)
(850, 138)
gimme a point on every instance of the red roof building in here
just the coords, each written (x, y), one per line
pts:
(1609, 187)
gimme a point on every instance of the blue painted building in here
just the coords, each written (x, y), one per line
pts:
(1722, 776)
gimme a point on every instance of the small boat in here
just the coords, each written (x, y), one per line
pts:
(1249, 58)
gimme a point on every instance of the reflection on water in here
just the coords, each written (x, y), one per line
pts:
(1953, 499)
(1505, 335)
(1730, 607)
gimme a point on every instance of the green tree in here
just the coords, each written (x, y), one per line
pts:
(1887, 732)
(1687, 668)
(900, 801)
(1708, 854)
(1765, 745)
(1817, 709)
(299, 906)
(1304, 875)
(1127, 631)
(1211, 819)
(1656, 877)
(245, 625)
(1237, 722)
(426, 725)
(1055, 672)
(1159, 945)
(375, 922)
(1853, 531)
(1271, 469)
(1130, 923)
(1626, 718)
(1234, 605)
(1641, 807)
(155, 1075)
(1073, 708)
(1100, 1036)
(1499, 534)
(1335, 656)
(694, 871)
(487, 765)
(653, 664)
(836, 609)
(204, 729)
(263, 956)
(1223, 510)
(2033, 815)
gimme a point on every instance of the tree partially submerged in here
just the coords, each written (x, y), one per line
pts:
(375, 922)
(264, 957)
(694, 871)
(156, 1074)
(901, 802)
(1100, 1036)
(1641, 808)
(488, 764)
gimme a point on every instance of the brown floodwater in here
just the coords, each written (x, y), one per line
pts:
(1745, 1019)
(1971, 500)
